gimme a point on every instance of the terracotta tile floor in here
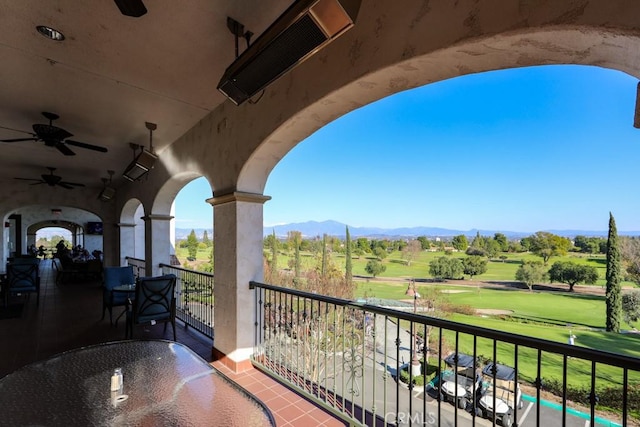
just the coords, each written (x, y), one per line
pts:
(69, 316)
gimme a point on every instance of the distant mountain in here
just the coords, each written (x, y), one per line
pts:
(311, 229)
(334, 228)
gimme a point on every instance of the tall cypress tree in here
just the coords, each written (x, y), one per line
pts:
(274, 254)
(323, 267)
(348, 268)
(614, 293)
(296, 258)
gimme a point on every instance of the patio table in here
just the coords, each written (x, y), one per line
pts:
(164, 384)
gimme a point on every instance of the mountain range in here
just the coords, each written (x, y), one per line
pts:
(311, 229)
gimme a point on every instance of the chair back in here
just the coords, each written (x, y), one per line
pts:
(116, 276)
(22, 277)
(155, 298)
(26, 260)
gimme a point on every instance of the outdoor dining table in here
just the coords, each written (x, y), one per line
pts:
(164, 384)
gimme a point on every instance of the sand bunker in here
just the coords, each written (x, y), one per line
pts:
(492, 312)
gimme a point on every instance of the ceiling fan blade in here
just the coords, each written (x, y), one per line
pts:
(19, 139)
(38, 183)
(18, 130)
(85, 145)
(64, 185)
(29, 179)
(71, 183)
(64, 149)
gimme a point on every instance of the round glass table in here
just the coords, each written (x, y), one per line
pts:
(164, 384)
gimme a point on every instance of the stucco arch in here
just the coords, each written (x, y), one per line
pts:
(131, 231)
(556, 45)
(130, 209)
(163, 202)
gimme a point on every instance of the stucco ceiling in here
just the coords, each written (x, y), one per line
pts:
(112, 74)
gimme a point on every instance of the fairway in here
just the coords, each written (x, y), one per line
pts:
(546, 315)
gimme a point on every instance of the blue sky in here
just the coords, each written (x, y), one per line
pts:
(537, 148)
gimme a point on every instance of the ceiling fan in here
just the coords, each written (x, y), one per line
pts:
(53, 136)
(52, 180)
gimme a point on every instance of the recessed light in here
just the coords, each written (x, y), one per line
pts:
(50, 33)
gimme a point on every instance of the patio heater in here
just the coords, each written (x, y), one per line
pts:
(416, 367)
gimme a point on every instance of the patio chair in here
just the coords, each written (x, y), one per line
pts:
(115, 276)
(154, 301)
(22, 278)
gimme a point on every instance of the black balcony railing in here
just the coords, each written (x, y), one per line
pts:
(139, 266)
(194, 295)
(373, 365)
(194, 298)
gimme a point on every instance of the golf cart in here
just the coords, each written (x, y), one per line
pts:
(460, 381)
(500, 393)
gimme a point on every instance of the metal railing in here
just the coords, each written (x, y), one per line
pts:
(139, 266)
(356, 360)
(194, 298)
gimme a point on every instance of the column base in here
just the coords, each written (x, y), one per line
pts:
(235, 366)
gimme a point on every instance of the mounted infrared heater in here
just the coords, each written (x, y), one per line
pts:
(302, 30)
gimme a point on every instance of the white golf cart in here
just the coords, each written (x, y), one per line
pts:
(460, 380)
(500, 393)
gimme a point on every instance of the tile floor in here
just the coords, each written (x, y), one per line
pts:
(69, 316)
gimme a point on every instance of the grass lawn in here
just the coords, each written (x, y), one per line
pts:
(579, 371)
(545, 315)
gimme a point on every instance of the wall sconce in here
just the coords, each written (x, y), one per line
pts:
(56, 212)
(107, 192)
(143, 162)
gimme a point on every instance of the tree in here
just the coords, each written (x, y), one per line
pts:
(572, 273)
(630, 251)
(530, 273)
(475, 251)
(362, 243)
(411, 251)
(426, 244)
(474, 265)
(348, 266)
(460, 242)
(547, 245)
(614, 278)
(445, 268)
(380, 252)
(484, 246)
(631, 307)
(205, 239)
(502, 241)
(588, 245)
(192, 245)
(374, 267)
(274, 252)
(294, 239)
(323, 265)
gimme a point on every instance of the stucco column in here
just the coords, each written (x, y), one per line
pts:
(237, 236)
(157, 242)
(127, 242)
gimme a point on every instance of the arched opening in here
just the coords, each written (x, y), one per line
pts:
(132, 232)
(193, 215)
(522, 149)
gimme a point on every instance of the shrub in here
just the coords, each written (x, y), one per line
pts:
(608, 397)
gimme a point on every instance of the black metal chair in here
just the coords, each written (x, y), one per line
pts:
(154, 302)
(115, 276)
(22, 278)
